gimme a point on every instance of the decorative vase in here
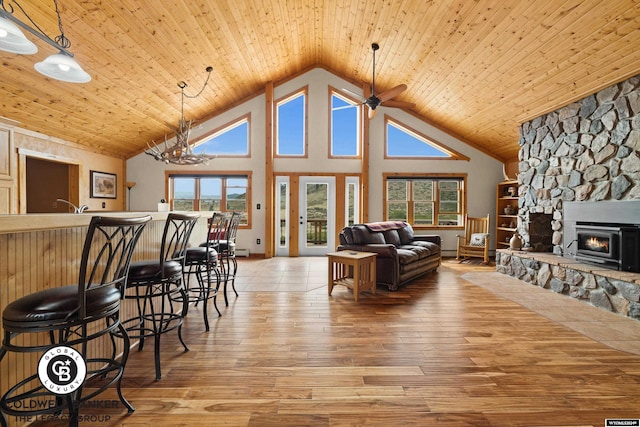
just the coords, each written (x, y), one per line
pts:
(515, 242)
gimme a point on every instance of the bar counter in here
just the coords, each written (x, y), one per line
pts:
(39, 251)
(53, 221)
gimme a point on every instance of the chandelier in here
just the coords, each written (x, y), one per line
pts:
(181, 152)
(59, 66)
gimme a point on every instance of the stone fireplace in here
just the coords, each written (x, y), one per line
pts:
(580, 164)
(588, 151)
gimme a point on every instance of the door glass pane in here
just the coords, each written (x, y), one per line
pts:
(282, 229)
(351, 204)
(317, 196)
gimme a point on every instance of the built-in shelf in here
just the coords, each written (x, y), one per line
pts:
(504, 231)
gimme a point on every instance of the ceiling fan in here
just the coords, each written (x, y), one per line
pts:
(373, 100)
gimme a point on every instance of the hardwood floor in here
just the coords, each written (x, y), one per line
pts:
(442, 351)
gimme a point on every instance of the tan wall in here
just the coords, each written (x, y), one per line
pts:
(16, 145)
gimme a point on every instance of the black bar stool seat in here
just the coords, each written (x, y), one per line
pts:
(202, 262)
(58, 305)
(156, 284)
(71, 319)
(142, 272)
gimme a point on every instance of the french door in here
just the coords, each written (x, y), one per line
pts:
(316, 215)
(306, 216)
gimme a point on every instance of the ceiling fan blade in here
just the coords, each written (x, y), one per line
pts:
(394, 91)
(367, 91)
(372, 113)
(399, 104)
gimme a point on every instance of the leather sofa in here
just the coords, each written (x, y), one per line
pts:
(401, 255)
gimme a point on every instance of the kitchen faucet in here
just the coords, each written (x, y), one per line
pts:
(76, 209)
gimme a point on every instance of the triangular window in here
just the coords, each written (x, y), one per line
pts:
(404, 142)
(230, 140)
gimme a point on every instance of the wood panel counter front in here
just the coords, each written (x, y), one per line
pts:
(40, 251)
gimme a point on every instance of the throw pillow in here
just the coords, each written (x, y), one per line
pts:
(406, 234)
(478, 239)
(391, 236)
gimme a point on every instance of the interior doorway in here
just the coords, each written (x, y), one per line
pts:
(47, 181)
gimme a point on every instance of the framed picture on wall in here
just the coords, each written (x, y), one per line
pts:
(103, 185)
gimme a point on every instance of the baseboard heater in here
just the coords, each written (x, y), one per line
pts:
(242, 252)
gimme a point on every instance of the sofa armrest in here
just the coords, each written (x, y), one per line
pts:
(433, 238)
(384, 250)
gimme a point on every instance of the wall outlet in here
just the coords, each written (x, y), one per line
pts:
(258, 206)
(257, 241)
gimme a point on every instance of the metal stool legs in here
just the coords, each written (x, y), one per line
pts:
(71, 328)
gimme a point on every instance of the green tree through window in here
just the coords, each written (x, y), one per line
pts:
(425, 201)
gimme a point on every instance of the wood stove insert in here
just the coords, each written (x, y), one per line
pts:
(615, 246)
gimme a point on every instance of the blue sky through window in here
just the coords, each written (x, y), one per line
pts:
(400, 141)
(344, 127)
(291, 127)
(404, 143)
(232, 140)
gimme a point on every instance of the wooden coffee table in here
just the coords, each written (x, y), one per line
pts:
(355, 270)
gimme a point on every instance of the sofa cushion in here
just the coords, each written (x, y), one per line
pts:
(406, 234)
(434, 248)
(359, 234)
(348, 235)
(421, 251)
(406, 256)
(392, 237)
(362, 236)
(375, 238)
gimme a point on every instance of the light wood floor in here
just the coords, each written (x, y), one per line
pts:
(443, 351)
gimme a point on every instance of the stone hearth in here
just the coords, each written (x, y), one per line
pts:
(611, 290)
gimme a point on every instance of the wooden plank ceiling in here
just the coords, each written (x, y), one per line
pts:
(476, 68)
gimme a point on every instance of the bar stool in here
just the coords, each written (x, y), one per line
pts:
(202, 262)
(227, 253)
(60, 322)
(156, 284)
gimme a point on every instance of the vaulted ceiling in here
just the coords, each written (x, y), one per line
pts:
(477, 68)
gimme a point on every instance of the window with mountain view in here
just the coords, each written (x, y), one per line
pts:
(211, 192)
(425, 201)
